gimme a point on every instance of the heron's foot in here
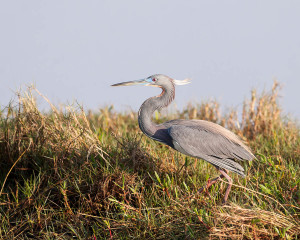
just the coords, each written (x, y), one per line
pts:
(204, 187)
(201, 189)
(208, 184)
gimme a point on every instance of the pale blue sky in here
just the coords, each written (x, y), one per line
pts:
(74, 50)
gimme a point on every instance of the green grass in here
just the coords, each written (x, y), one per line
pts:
(71, 175)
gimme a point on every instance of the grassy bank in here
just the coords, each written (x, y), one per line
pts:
(69, 174)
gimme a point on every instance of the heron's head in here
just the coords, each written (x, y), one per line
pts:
(156, 80)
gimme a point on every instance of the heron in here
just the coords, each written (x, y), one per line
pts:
(195, 138)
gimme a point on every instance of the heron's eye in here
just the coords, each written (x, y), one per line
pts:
(153, 80)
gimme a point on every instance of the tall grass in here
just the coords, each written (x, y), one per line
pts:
(69, 174)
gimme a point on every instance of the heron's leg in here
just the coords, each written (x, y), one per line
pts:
(225, 174)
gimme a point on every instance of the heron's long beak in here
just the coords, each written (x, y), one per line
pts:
(129, 83)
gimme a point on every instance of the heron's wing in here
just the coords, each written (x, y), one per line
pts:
(211, 146)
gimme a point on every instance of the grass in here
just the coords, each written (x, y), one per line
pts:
(68, 174)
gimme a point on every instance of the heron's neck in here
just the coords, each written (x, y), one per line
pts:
(150, 105)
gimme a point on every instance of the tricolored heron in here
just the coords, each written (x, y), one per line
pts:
(196, 138)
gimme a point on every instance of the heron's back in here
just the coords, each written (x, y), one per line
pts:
(208, 126)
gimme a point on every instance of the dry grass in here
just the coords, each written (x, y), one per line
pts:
(243, 222)
(68, 175)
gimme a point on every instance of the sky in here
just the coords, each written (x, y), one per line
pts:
(72, 51)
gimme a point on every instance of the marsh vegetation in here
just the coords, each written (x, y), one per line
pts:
(72, 174)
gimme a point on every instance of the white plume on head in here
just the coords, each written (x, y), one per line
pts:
(182, 82)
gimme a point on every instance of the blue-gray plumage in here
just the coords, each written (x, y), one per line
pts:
(197, 138)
